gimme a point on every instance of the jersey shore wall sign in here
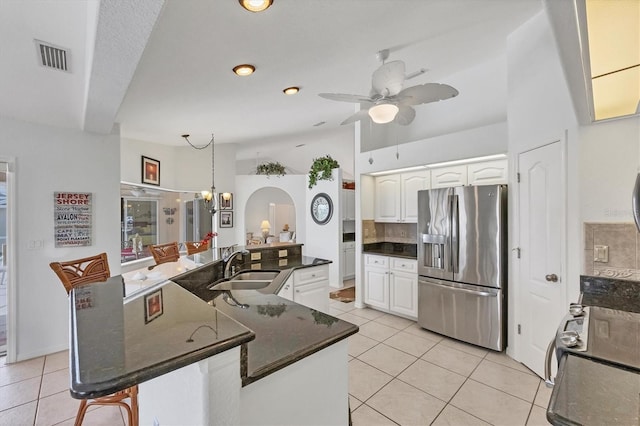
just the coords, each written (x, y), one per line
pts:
(73, 218)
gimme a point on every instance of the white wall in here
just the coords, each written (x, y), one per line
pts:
(186, 169)
(297, 160)
(482, 100)
(246, 185)
(325, 241)
(609, 163)
(485, 140)
(49, 159)
(540, 111)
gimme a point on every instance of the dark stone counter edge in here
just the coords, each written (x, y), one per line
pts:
(80, 391)
(390, 254)
(296, 356)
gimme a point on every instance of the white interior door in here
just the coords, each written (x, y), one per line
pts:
(542, 287)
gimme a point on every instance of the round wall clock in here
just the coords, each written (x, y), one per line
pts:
(321, 208)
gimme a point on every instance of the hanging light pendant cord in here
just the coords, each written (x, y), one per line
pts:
(186, 138)
(212, 206)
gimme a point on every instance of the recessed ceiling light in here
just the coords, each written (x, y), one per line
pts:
(256, 5)
(244, 69)
(291, 90)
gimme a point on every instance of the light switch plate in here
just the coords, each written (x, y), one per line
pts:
(601, 253)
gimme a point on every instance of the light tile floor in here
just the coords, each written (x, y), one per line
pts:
(399, 374)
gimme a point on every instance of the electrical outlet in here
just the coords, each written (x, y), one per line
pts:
(403, 234)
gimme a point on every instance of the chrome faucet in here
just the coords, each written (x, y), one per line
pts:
(228, 259)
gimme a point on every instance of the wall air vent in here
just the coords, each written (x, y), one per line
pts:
(52, 56)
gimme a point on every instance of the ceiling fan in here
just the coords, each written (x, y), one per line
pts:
(388, 101)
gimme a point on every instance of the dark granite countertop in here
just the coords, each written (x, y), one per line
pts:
(623, 295)
(114, 346)
(588, 390)
(409, 251)
(285, 331)
(596, 394)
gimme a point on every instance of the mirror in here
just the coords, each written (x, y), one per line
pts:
(274, 206)
(154, 215)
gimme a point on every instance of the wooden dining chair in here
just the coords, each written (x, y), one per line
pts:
(163, 253)
(75, 273)
(194, 247)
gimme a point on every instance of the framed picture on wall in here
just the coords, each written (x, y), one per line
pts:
(226, 219)
(225, 201)
(150, 171)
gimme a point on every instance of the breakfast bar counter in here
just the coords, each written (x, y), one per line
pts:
(226, 343)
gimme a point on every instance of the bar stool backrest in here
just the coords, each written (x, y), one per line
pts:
(82, 271)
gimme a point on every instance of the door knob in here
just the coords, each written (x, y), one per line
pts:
(551, 277)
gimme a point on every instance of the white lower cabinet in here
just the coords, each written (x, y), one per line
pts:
(391, 284)
(348, 260)
(308, 287)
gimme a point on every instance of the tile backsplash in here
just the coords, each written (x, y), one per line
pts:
(375, 232)
(612, 250)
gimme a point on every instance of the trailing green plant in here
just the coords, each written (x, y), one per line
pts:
(321, 169)
(271, 168)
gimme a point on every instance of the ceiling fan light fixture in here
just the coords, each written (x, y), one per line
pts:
(244, 70)
(291, 90)
(383, 113)
(256, 5)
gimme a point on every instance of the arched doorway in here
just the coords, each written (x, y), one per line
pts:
(273, 205)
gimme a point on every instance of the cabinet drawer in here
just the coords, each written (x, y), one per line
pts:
(309, 275)
(405, 265)
(376, 261)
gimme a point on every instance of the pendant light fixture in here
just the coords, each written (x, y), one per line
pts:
(209, 197)
(256, 5)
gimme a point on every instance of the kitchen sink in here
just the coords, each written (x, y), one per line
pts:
(255, 276)
(248, 280)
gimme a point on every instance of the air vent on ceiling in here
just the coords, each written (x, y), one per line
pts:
(52, 56)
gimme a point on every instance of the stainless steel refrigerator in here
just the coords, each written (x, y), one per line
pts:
(462, 263)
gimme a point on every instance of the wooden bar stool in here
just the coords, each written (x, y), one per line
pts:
(194, 247)
(73, 274)
(163, 253)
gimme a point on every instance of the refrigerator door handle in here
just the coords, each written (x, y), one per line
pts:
(461, 290)
(455, 247)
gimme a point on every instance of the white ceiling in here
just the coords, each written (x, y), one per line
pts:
(183, 82)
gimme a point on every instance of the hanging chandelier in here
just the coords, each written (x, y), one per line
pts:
(209, 197)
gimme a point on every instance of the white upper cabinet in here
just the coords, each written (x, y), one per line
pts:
(487, 173)
(387, 198)
(348, 204)
(411, 183)
(397, 196)
(446, 177)
(482, 173)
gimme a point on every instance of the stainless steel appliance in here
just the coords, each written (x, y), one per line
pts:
(462, 263)
(598, 382)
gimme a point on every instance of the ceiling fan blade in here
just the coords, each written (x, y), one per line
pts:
(388, 79)
(405, 115)
(341, 97)
(363, 113)
(425, 93)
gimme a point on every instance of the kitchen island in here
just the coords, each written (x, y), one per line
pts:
(211, 356)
